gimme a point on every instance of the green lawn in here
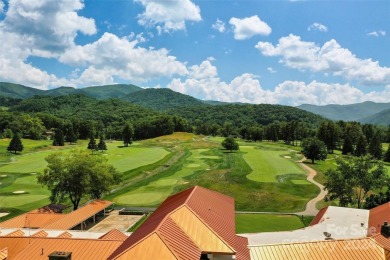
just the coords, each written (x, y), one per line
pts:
(253, 223)
(158, 189)
(267, 164)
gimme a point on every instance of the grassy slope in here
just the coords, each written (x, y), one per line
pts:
(253, 223)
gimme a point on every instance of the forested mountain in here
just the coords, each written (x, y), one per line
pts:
(353, 112)
(381, 118)
(18, 91)
(161, 99)
(245, 114)
(99, 92)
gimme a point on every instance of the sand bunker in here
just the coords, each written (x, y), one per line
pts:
(33, 173)
(3, 214)
(287, 157)
(3, 176)
(19, 192)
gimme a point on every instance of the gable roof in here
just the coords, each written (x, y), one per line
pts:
(114, 234)
(377, 217)
(185, 225)
(52, 220)
(39, 248)
(351, 249)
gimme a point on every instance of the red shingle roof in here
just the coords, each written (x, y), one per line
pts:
(188, 223)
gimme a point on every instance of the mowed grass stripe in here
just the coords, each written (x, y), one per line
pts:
(253, 223)
(267, 164)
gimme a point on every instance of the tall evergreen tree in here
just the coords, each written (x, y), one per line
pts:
(386, 157)
(92, 143)
(102, 144)
(16, 144)
(127, 135)
(375, 147)
(58, 139)
(71, 137)
(361, 146)
(347, 146)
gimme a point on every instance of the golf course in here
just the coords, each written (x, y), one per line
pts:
(261, 176)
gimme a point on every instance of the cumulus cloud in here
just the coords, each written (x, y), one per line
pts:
(330, 58)
(111, 56)
(247, 27)
(317, 27)
(203, 82)
(219, 26)
(49, 27)
(377, 33)
(168, 16)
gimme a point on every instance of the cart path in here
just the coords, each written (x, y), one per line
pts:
(311, 209)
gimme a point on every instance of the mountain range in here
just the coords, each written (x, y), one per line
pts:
(166, 99)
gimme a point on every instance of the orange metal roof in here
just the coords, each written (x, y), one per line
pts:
(378, 216)
(76, 217)
(51, 220)
(40, 248)
(41, 233)
(318, 217)
(32, 220)
(188, 223)
(382, 240)
(114, 234)
(4, 253)
(353, 249)
(16, 233)
(65, 235)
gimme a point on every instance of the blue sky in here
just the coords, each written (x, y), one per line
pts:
(280, 52)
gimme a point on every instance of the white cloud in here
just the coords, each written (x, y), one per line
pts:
(377, 33)
(111, 57)
(203, 82)
(170, 15)
(317, 27)
(248, 27)
(219, 26)
(49, 27)
(330, 58)
(271, 70)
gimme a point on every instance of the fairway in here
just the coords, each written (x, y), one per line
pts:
(267, 164)
(252, 223)
(156, 191)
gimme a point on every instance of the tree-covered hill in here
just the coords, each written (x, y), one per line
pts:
(161, 99)
(352, 112)
(245, 114)
(18, 91)
(381, 118)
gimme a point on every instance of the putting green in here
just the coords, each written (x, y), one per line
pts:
(155, 192)
(300, 182)
(267, 164)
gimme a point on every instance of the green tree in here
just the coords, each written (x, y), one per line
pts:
(70, 137)
(354, 178)
(386, 156)
(361, 146)
(77, 174)
(347, 146)
(92, 142)
(16, 144)
(314, 149)
(127, 135)
(58, 139)
(230, 144)
(375, 146)
(102, 144)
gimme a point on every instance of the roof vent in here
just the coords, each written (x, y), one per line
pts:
(60, 255)
(385, 229)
